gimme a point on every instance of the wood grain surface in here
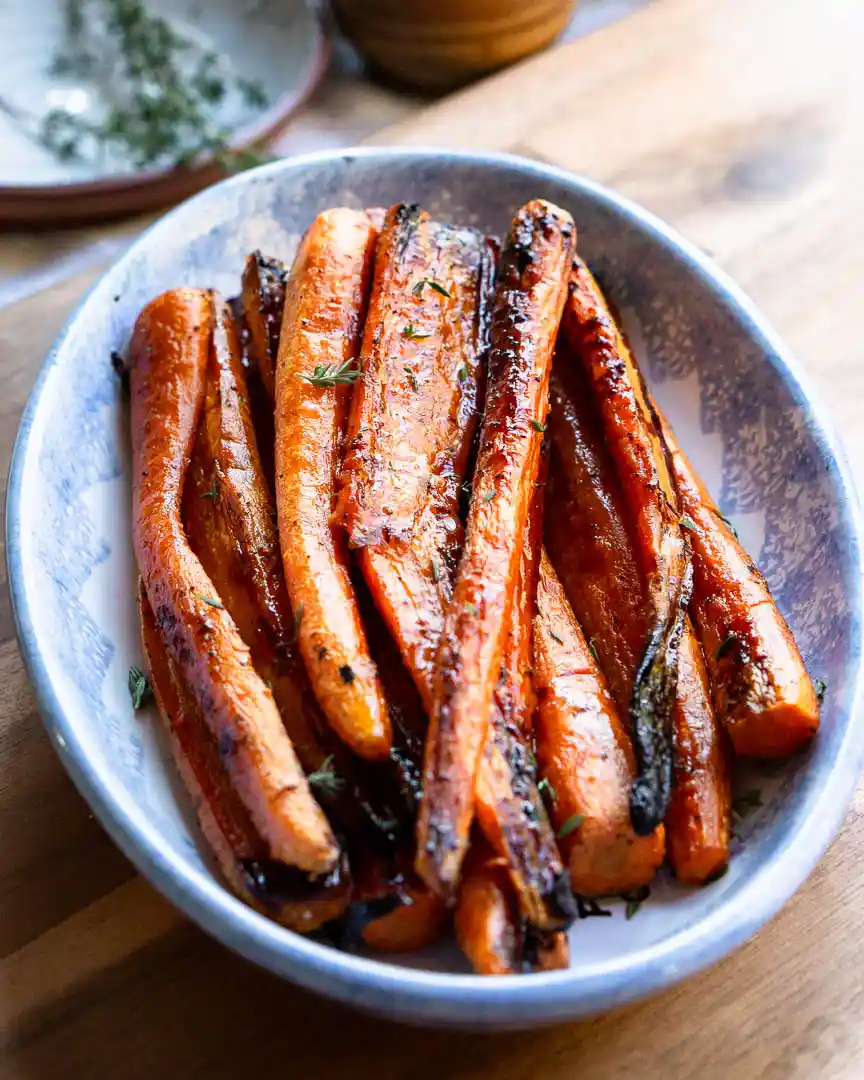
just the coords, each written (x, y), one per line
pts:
(737, 121)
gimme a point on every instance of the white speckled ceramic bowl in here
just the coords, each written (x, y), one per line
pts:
(741, 409)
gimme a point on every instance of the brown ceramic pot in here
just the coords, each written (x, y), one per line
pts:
(436, 45)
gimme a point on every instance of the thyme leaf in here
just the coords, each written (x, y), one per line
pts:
(209, 602)
(538, 426)
(412, 378)
(687, 522)
(726, 646)
(570, 825)
(411, 331)
(140, 689)
(332, 374)
(545, 788)
(325, 779)
(433, 284)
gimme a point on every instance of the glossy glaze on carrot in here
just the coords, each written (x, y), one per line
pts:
(760, 686)
(243, 857)
(509, 806)
(698, 821)
(585, 755)
(324, 310)
(168, 363)
(412, 421)
(486, 921)
(229, 516)
(529, 297)
(591, 548)
(263, 301)
(662, 552)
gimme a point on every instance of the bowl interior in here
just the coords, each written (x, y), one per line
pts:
(737, 410)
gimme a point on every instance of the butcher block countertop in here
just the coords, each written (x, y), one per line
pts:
(739, 122)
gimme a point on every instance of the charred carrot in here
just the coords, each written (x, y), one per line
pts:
(229, 517)
(509, 805)
(168, 363)
(636, 447)
(416, 921)
(698, 822)
(412, 421)
(590, 545)
(760, 686)
(486, 921)
(529, 298)
(281, 891)
(263, 301)
(585, 756)
(317, 365)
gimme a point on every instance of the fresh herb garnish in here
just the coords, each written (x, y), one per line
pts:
(436, 571)
(488, 497)
(298, 618)
(471, 609)
(555, 637)
(210, 603)
(462, 373)
(594, 652)
(332, 374)
(160, 90)
(325, 779)
(433, 284)
(411, 331)
(635, 900)
(411, 377)
(821, 687)
(726, 646)
(570, 825)
(732, 528)
(687, 522)
(538, 426)
(213, 492)
(545, 787)
(140, 689)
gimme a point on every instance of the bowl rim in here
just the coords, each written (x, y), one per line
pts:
(420, 994)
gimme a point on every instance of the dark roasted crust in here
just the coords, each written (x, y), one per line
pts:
(263, 301)
(529, 297)
(632, 435)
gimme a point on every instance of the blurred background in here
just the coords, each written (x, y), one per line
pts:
(111, 110)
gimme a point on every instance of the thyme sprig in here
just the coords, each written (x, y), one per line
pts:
(160, 90)
(332, 374)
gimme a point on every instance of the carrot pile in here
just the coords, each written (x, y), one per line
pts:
(439, 619)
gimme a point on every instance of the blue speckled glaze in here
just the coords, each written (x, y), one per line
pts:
(740, 408)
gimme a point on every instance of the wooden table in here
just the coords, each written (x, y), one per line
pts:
(738, 122)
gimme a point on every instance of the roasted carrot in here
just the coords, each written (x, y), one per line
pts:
(324, 310)
(229, 517)
(509, 806)
(263, 301)
(636, 447)
(584, 755)
(281, 891)
(414, 923)
(529, 298)
(698, 821)
(591, 548)
(412, 421)
(485, 920)
(168, 362)
(760, 686)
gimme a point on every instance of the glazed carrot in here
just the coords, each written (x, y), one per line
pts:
(324, 309)
(281, 891)
(584, 754)
(760, 686)
(412, 421)
(509, 806)
(698, 821)
(229, 517)
(263, 301)
(415, 923)
(168, 362)
(590, 547)
(586, 534)
(633, 437)
(486, 922)
(529, 299)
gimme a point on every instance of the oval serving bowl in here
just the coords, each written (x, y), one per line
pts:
(740, 408)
